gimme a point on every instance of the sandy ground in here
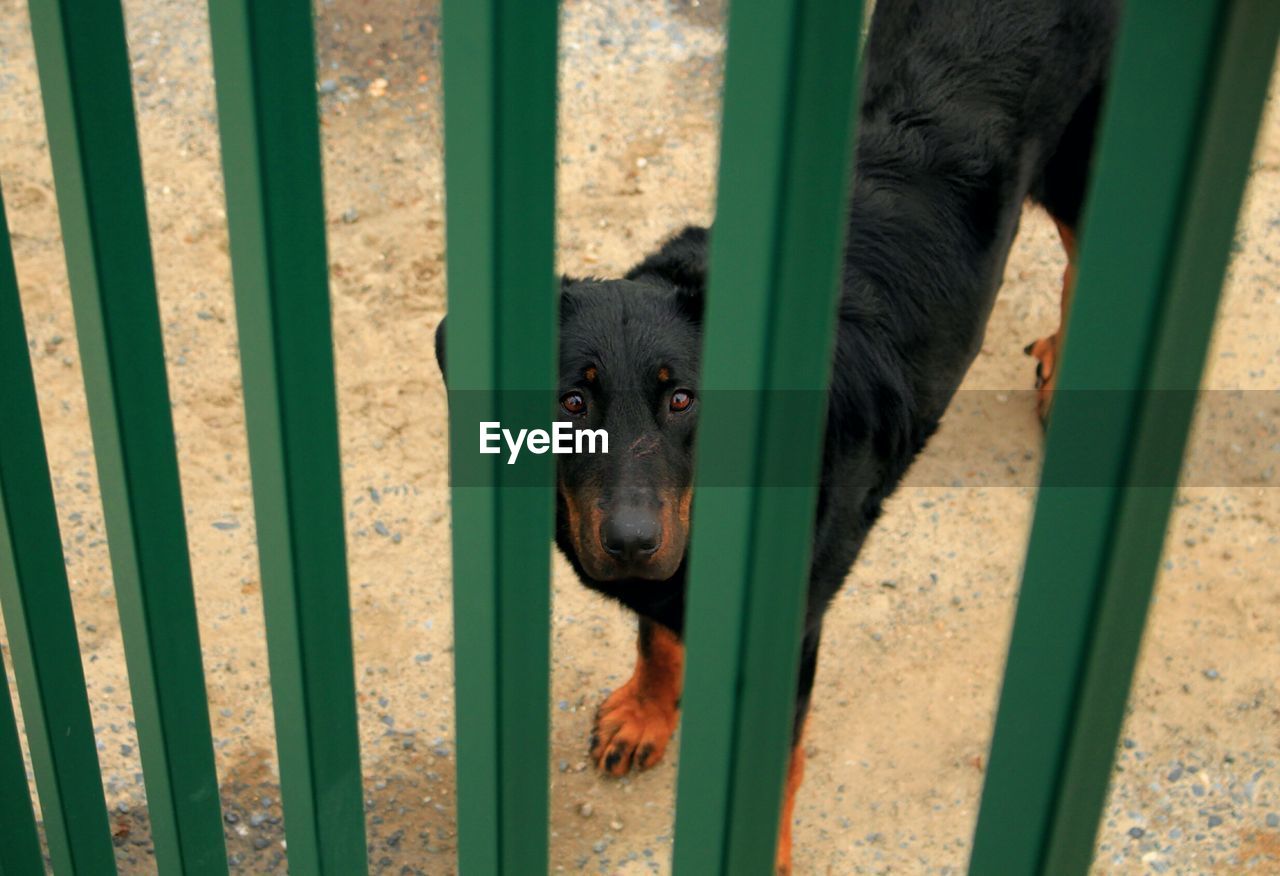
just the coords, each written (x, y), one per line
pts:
(914, 646)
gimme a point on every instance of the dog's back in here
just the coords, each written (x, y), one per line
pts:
(968, 108)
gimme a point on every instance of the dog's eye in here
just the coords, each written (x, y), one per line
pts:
(681, 399)
(573, 402)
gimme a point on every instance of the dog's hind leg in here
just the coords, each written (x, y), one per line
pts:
(1048, 349)
(1061, 190)
(634, 725)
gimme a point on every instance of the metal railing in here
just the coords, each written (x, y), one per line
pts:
(1186, 90)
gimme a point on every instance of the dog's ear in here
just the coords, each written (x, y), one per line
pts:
(681, 261)
(440, 349)
(566, 307)
(568, 303)
(690, 303)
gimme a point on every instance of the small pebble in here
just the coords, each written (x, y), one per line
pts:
(586, 810)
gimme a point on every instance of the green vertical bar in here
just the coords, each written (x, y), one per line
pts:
(38, 616)
(265, 68)
(19, 842)
(500, 116)
(84, 77)
(788, 128)
(1188, 84)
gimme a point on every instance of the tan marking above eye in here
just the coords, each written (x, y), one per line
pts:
(664, 374)
(590, 374)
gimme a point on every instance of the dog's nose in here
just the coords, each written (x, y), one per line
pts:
(631, 535)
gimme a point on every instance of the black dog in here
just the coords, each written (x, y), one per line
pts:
(969, 107)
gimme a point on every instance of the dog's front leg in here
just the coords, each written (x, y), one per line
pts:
(795, 772)
(795, 775)
(635, 724)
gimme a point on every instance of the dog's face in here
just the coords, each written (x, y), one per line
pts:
(629, 365)
(629, 354)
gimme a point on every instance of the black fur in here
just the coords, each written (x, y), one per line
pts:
(969, 107)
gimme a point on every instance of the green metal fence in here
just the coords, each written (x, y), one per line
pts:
(1189, 80)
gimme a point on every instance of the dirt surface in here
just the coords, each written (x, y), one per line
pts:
(914, 645)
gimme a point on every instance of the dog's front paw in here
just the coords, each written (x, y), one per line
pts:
(633, 729)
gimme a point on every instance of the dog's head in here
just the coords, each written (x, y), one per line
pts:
(629, 355)
(629, 365)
